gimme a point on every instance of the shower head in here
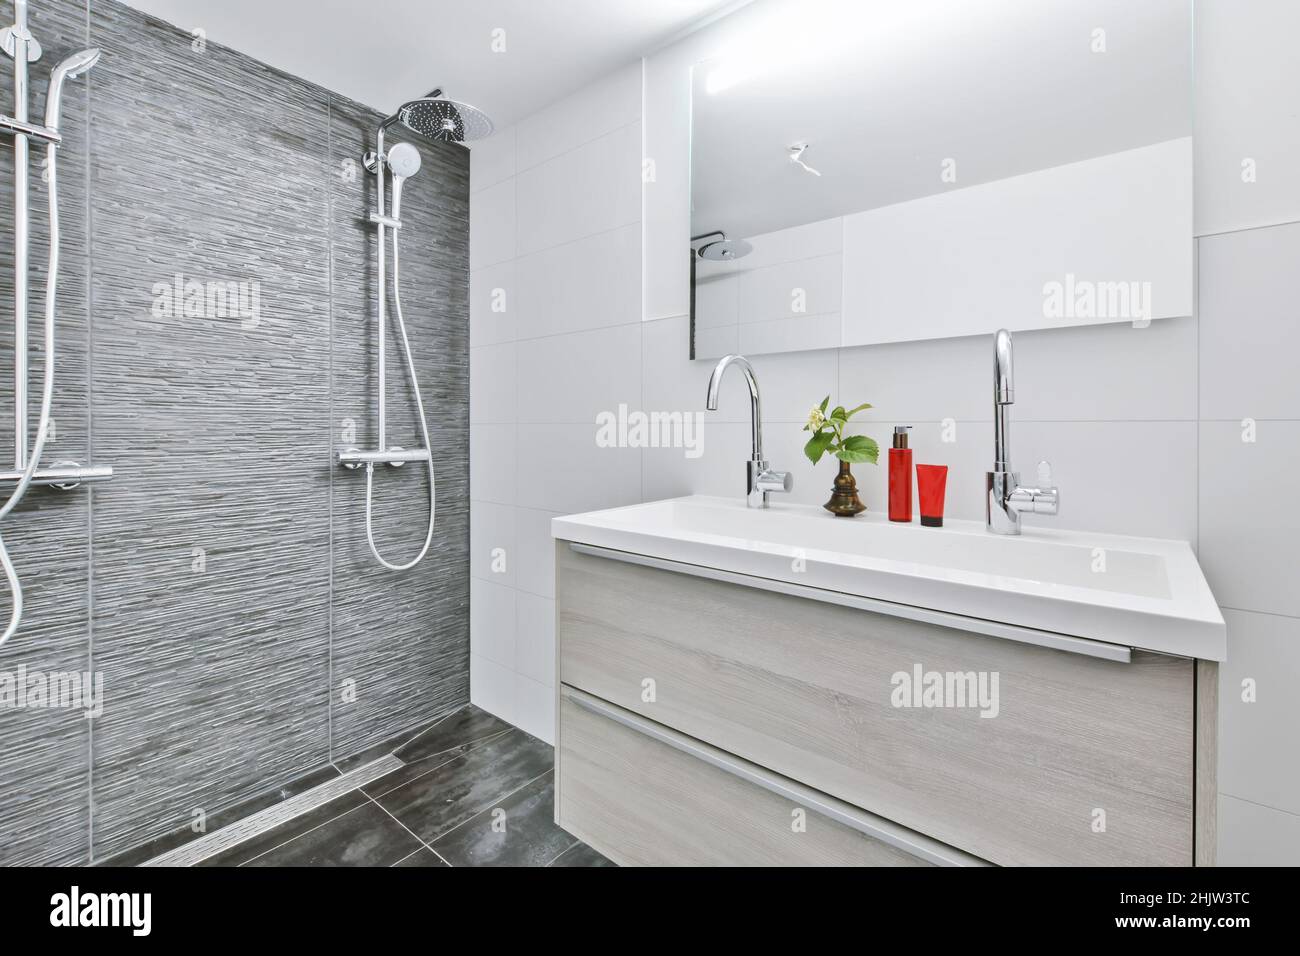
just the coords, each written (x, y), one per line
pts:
(403, 162)
(438, 118)
(71, 67)
(725, 250)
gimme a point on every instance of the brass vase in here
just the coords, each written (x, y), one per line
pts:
(844, 502)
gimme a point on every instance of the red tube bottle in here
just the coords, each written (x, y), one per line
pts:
(900, 476)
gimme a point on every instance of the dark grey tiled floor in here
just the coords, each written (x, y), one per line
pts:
(474, 792)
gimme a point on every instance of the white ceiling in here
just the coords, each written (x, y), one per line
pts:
(885, 91)
(385, 52)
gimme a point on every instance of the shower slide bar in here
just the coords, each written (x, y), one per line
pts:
(17, 42)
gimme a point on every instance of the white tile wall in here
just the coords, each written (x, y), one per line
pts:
(492, 384)
(590, 283)
(1245, 60)
(492, 463)
(571, 378)
(1143, 425)
(493, 304)
(1125, 477)
(492, 536)
(613, 103)
(535, 639)
(1255, 835)
(1249, 524)
(535, 551)
(492, 621)
(492, 225)
(1249, 335)
(555, 338)
(1250, 324)
(591, 189)
(492, 160)
(1261, 764)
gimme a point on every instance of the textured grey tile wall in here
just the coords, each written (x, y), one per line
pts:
(222, 582)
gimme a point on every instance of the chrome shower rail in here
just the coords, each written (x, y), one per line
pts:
(18, 42)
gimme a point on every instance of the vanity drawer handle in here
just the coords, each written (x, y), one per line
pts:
(1011, 632)
(878, 828)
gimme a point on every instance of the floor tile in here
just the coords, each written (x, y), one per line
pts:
(466, 726)
(455, 791)
(421, 857)
(581, 855)
(516, 830)
(365, 836)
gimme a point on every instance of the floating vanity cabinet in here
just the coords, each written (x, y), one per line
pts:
(712, 718)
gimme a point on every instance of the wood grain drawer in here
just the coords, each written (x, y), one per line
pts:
(804, 689)
(646, 795)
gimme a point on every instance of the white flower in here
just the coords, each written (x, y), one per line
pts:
(816, 419)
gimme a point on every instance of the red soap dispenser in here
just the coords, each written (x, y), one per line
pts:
(900, 476)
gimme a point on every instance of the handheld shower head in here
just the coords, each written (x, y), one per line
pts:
(72, 67)
(403, 162)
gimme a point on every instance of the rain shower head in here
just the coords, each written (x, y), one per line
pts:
(438, 118)
(725, 250)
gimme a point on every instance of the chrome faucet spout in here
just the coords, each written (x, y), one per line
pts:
(1004, 395)
(1004, 386)
(755, 402)
(1005, 499)
(760, 480)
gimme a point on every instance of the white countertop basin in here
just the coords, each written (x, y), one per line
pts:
(1144, 593)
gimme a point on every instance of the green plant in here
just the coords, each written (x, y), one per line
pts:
(828, 435)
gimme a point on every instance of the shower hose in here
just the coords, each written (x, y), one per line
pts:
(424, 432)
(47, 398)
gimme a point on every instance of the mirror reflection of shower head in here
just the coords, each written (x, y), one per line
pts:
(403, 162)
(71, 68)
(725, 250)
(438, 118)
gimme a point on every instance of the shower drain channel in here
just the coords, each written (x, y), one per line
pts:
(227, 837)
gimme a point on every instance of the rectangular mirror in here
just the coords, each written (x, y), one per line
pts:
(869, 171)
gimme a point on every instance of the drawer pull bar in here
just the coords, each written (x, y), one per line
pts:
(1010, 632)
(878, 828)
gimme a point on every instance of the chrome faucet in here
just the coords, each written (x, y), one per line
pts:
(1005, 499)
(760, 479)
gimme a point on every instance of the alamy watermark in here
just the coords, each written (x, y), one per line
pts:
(133, 911)
(56, 690)
(188, 298)
(956, 689)
(1077, 298)
(638, 429)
